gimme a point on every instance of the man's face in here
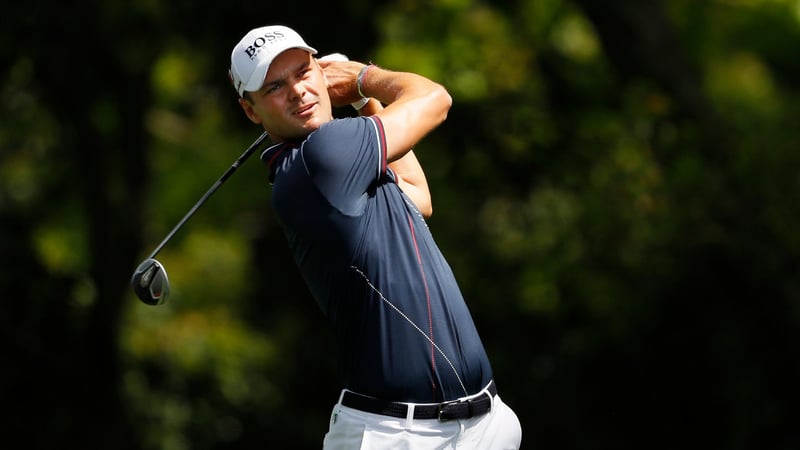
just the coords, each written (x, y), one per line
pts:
(294, 99)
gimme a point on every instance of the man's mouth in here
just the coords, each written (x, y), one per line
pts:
(304, 109)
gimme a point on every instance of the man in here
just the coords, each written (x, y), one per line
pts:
(352, 199)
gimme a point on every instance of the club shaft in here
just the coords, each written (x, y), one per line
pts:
(211, 191)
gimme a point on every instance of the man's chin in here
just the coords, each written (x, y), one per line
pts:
(302, 133)
(313, 125)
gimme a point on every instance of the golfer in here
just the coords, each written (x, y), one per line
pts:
(352, 200)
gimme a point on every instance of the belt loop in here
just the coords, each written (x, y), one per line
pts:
(410, 415)
(489, 393)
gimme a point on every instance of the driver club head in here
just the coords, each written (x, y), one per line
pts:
(150, 282)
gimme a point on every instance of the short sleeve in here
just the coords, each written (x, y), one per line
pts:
(344, 158)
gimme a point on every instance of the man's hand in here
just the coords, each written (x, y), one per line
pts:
(341, 76)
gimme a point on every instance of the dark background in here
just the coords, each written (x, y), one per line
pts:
(616, 188)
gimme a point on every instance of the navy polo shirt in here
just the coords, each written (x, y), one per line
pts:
(402, 327)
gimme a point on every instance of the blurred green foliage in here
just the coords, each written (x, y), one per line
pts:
(616, 189)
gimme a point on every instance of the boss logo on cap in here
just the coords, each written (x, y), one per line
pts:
(268, 38)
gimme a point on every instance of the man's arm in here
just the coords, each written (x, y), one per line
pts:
(415, 105)
(410, 176)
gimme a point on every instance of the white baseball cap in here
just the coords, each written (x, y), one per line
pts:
(251, 57)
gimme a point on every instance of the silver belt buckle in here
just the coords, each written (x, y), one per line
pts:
(441, 408)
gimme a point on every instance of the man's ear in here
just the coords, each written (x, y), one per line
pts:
(248, 110)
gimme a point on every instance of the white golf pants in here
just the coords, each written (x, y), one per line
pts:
(351, 429)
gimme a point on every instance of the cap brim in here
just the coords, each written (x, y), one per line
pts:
(257, 77)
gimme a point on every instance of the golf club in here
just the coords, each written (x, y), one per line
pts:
(149, 281)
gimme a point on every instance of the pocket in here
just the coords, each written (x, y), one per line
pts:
(384, 438)
(344, 432)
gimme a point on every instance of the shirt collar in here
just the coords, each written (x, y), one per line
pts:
(271, 155)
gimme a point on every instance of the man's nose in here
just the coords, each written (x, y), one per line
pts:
(297, 88)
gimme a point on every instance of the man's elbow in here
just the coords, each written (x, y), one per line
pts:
(444, 101)
(426, 211)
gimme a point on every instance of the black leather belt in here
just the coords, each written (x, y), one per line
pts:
(457, 409)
